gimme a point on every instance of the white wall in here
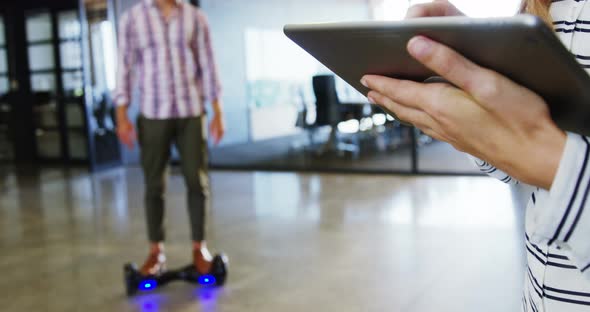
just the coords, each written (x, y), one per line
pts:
(229, 20)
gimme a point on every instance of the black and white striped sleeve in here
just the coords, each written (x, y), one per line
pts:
(494, 172)
(564, 216)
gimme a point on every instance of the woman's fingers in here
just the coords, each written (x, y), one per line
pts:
(406, 92)
(435, 8)
(416, 117)
(446, 62)
(426, 97)
(435, 135)
(407, 114)
(483, 84)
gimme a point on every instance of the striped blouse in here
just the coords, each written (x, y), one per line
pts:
(171, 61)
(557, 226)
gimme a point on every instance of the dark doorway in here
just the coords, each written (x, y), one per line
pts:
(54, 108)
(44, 78)
(6, 135)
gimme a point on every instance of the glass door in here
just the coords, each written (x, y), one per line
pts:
(42, 68)
(53, 39)
(100, 58)
(70, 50)
(6, 141)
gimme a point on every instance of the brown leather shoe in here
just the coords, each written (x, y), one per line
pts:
(155, 264)
(202, 259)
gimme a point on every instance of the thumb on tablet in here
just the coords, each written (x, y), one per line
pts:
(450, 65)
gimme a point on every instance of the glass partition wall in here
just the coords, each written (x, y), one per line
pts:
(285, 111)
(100, 67)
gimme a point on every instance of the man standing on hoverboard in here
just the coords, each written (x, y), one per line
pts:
(165, 47)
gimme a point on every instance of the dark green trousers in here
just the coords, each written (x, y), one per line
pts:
(156, 137)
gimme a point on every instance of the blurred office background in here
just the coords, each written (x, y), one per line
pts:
(284, 110)
(71, 197)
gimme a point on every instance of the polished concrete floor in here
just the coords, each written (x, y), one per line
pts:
(283, 154)
(296, 242)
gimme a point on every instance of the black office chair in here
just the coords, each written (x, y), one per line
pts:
(327, 102)
(330, 112)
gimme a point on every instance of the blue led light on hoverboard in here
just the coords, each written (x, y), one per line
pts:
(207, 279)
(148, 285)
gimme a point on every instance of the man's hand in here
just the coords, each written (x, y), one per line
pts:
(217, 125)
(125, 129)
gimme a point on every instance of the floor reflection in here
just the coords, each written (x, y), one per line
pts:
(208, 298)
(296, 242)
(150, 302)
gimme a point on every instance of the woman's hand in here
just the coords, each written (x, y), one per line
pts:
(434, 8)
(486, 114)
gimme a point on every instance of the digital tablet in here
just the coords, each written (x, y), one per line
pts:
(522, 47)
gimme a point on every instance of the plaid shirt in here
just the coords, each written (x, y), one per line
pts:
(171, 61)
